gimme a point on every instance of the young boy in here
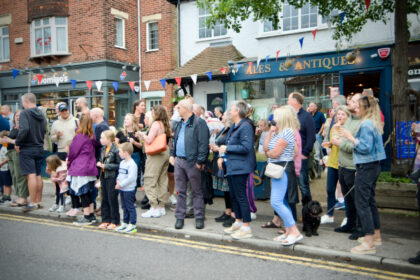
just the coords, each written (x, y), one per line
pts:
(126, 183)
(5, 177)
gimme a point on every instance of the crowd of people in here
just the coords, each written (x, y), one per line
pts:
(196, 152)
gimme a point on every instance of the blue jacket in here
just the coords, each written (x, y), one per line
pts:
(240, 154)
(307, 131)
(369, 146)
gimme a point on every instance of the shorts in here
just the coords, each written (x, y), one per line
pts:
(30, 162)
(5, 178)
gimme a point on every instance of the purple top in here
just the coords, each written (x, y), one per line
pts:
(81, 158)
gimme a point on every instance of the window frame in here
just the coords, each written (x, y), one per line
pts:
(123, 32)
(53, 27)
(212, 29)
(2, 37)
(148, 36)
(150, 102)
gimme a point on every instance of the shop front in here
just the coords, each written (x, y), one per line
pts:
(66, 83)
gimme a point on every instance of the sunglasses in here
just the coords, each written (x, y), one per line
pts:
(367, 100)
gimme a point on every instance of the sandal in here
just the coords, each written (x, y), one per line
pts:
(363, 249)
(280, 238)
(270, 224)
(281, 232)
(376, 241)
(291, 239)
(16, 204)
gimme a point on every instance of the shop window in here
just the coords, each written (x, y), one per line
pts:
(152, 36)
(49, 36)
(119, 32)
(205, 32)
(4, 43)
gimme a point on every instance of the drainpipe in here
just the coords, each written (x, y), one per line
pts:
(179, 33)
(139, 44)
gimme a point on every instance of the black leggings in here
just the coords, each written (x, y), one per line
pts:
(75, 201)
(228, 201)
(86, 199)
(58, 196)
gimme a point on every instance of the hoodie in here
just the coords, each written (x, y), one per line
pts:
(32, 128)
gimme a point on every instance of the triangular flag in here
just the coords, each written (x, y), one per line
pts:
(131, 85)
(193, 78)
(314, 32)
(258, 61)
(136, 89)
(57, 81)
(223, 70)
(39, 78)
(238, 66)
(98, 85)
(266, 59)
(73, 83)
(367, 3)
(277, 54)
(163, 82)
(89, 84)
(15, 72)
(342, 15)
(115, 85)
(301, 42)
(209, 74)
(147, 84)
(233, 71)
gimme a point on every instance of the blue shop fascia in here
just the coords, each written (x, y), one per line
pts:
(315, 76)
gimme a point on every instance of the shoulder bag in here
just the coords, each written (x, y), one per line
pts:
(274, 171)
(157, 146)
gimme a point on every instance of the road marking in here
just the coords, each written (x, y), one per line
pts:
(277, 257)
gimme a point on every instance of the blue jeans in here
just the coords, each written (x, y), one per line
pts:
(240, 204)
(279, 200)
(128, 207)
(332, 179)
(319, 154)
(304, 180)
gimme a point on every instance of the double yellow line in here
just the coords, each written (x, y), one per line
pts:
(276, 257)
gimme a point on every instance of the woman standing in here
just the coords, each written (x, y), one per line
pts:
(368, 152)
(156, 173)
(341, 116)
(240, 161)
(280, 148)
(139, 111)
(82, 168)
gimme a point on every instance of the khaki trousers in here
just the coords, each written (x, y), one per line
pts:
(20, 183)
(156, 179)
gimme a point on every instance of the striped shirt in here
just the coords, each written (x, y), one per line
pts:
(287, 135)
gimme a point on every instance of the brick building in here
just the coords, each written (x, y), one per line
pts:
(59, 45)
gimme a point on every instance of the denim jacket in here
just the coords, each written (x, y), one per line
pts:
(369, 146)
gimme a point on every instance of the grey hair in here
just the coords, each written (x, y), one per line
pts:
(340, 100)
(30, 97)
(83, 100)
(220, 109)
(98, 111)
(186, 104)
(265, 121)
(242, 108)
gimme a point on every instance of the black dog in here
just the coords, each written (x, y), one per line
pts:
(311, 216)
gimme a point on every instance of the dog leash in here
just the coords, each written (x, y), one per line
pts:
(329, 210)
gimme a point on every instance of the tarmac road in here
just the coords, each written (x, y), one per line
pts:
(38, 248)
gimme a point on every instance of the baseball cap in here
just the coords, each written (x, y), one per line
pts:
(62, 107)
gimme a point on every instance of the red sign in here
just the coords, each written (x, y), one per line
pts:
(384, 52)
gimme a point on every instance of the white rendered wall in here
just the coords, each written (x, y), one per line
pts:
(203, 88)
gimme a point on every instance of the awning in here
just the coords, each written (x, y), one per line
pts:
(211, 59)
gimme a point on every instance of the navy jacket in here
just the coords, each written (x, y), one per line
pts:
(307, 131)
(196, 140)
(240, 153)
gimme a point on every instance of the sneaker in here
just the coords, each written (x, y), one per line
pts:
(172, 199)
(111, 227)
(121, 228)
(130, 229)
(83, 222)
(152, 213)
(61, 209)
(327, 220)
(229, 222)
(162, 211)
(253, 216)
(242, 234)
(93, 219)
(234, 228)
(103, 225)
(340, 206)
(53, 208)
(344, 222)
(29, 208)
(222, 218)
(73, 212)
(5, 199)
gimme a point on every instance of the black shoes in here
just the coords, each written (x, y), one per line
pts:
(199, 223)
(222, 218)
(356, 234)
(415, 260)
(344, 229)
(145, 203)
(180, 224)
(229, 222)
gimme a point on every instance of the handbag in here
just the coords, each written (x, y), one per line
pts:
(157, 146)
(274, 171)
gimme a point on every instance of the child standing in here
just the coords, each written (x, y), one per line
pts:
(109, 162)
(126, 183)
(58, 171)
(5, 177)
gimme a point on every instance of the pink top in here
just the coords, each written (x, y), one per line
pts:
(155, 130)
(298, 153)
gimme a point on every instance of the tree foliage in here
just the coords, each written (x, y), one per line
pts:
(233, 12)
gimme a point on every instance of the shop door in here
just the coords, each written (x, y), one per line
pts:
(357, 82)
(214, 100)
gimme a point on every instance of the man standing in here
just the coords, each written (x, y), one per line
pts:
(63, 130)
(100, 125)
(30, 139)
(273, 108)
(7, 114)
(188, 154)
(82, 107)
(307, 133)
(319, 120)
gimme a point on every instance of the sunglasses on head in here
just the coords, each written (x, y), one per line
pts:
(367, 100)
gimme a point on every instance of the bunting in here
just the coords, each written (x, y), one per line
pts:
(89, 84)
(314, 32)
(223, 70)
(39, 78)
(301, 42)
(209, 74)
(147, 84)
(15, 72)
(115, 85)
(277, 54)
(193, 78)
(73, 83)
(163, 82)
(178, 79)
(131, 84)
(98, 85)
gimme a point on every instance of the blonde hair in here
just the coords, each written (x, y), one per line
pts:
(286, 117)
(109, 134)
(53, 162)
(126, 147)
(343, 109)
(371, 111)
(135, 123)
(149, 116)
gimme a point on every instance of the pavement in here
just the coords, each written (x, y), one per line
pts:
(400, 230)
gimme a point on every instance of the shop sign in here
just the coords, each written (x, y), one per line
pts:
(414, 72)
(50, 80)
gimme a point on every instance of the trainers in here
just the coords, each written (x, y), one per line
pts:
(5, 199)
(73, 212)
(121, 228)
(29, 208)
(152, 213)
(83, 222)
(93, 219)
(61, 209)
(53, 208)
(242, 234)
(340, 206)
(103, 225)
(344, 222)
(253, 216)
(111, 227)
(172, 199)
(162, 211)
(234, 228)
(130, 229)
(327, 219)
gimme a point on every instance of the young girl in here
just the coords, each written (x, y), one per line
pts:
(58, 171)
(5, 177)
(109, 162)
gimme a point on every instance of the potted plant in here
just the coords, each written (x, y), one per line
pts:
(246, 90)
